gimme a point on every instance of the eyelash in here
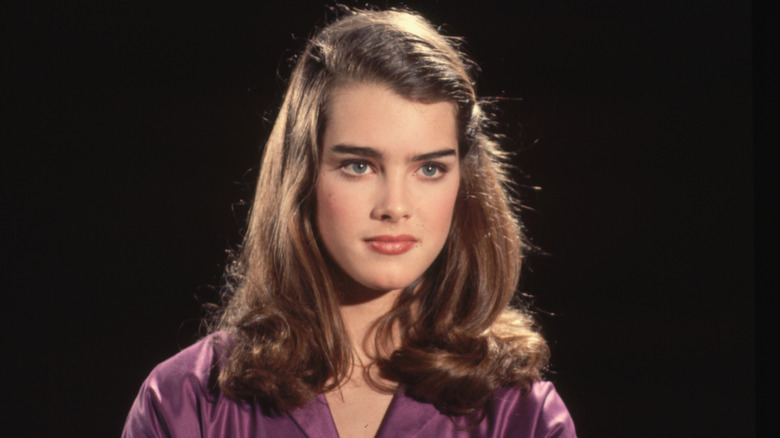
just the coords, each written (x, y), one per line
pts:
(440, 167)
(345, 164)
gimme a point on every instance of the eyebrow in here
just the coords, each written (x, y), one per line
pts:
(434, 155)
(373, 153)
(356, 150)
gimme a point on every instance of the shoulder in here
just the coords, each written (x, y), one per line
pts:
(192, 366)
(540, 412)
(181, 399)
(176, 390)
(190, 373)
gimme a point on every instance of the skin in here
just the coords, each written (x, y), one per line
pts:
(389, 168)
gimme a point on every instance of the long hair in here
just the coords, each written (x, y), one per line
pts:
(459, 339)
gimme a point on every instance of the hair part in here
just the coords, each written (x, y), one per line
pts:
(459, 339)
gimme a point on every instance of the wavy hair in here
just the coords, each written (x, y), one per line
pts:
(459, 337)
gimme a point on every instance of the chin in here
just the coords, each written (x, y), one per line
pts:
(387, 284)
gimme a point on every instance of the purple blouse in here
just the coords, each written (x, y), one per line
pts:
(178, 400)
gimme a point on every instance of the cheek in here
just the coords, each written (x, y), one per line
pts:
(445, 209)
(336, 212)
(325, 207)
(440, 209)
(446, 203)
(330, 205)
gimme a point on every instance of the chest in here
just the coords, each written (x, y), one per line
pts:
(358, 411)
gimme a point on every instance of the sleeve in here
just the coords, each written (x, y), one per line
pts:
(555, 419)
(166, 408)
(539, 413)
(174, 400)
(145, 418)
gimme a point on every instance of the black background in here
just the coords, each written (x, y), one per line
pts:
(135, 132)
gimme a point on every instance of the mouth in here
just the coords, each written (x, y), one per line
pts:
(391, 245)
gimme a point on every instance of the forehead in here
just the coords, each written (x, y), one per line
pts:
(374, 115)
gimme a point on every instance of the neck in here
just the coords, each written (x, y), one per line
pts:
(360, 317)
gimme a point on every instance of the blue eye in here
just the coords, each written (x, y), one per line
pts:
(358, 168)
(429, 170)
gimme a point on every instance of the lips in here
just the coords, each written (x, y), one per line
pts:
(391, 245)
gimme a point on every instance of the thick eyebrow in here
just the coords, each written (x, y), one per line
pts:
(363, 151)
(434, 155)
(356, 150)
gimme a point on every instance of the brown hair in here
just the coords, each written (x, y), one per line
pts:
(459, 339)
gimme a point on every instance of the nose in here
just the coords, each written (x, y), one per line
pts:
(392, 200)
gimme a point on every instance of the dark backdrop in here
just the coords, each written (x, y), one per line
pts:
(135, 130)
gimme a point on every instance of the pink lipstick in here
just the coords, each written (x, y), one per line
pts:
(391, 245)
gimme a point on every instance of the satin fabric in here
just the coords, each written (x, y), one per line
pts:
(180, 398)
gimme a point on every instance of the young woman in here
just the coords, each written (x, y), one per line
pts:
(371, 293)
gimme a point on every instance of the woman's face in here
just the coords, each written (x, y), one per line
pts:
(387, 185)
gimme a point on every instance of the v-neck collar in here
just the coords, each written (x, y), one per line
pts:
(314, 419)
(404, 417)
